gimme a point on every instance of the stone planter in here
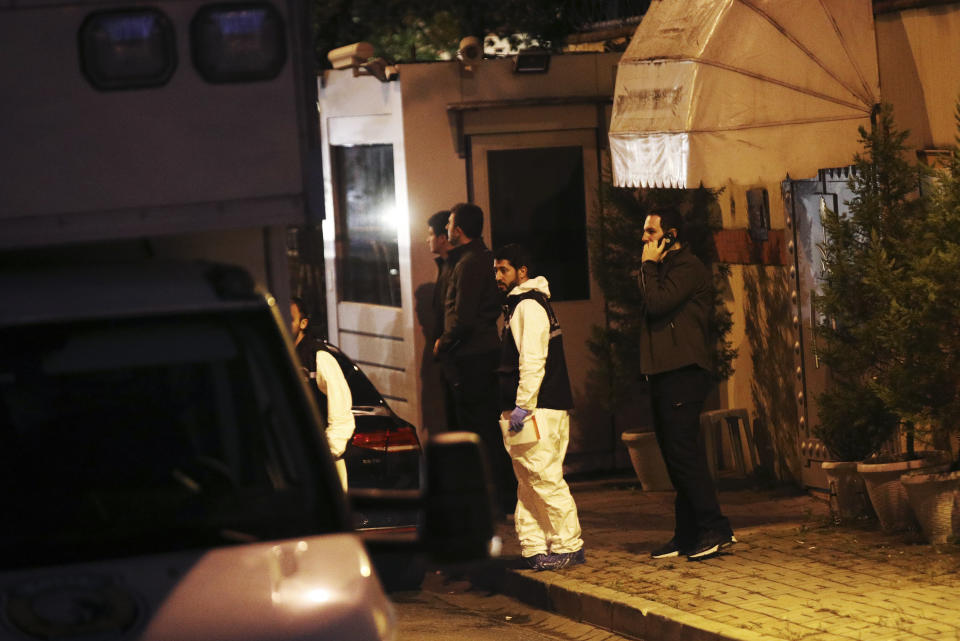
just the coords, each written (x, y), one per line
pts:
(935, 500)
(887, 494)
(647, 460)
(848, 493)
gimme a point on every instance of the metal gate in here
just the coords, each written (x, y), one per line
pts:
(805, 201)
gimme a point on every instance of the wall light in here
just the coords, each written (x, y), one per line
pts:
(531, 61)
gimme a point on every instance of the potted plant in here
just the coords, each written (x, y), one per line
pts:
(930, 325)
(854, 424)
(616, 239)
(867, 330)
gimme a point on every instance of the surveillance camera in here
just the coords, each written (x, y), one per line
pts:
(381, 70)
(470, 50)
(351, 55)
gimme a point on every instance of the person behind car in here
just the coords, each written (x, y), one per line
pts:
(335, 398)
(535, 395)
(469, 347)
(440, 246)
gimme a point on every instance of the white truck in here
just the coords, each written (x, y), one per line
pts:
(165, 475)
(177, 128)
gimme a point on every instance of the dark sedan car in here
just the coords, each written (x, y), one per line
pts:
(384, 452)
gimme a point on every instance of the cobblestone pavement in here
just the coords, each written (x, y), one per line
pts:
(793, 575)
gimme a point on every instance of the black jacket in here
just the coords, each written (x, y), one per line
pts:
(438, 304)
(472, 303)
(677, 297)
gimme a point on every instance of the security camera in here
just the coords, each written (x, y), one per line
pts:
(351, 55)
(381, 70)
(470, 50)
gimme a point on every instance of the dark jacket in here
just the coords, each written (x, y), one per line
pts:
(677, 297)
(438, 305)
(472, 302)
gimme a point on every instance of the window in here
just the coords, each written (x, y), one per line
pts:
(149, 435)
(127, 49)
(238, 42)
(369, 259)
(537, 199)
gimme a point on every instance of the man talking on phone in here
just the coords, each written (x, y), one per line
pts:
(675, 357)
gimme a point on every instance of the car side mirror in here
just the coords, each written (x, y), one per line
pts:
(457, 504)
(459, 521)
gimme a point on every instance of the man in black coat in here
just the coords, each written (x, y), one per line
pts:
(440, 246)
(469, 347)
(675, 356)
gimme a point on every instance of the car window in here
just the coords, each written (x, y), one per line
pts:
(362, 390)
(151, 435)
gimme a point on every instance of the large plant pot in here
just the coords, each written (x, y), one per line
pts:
(935, 500)
(887, 494)
(848, 493)
(647, 460)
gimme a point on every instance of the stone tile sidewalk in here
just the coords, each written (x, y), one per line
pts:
(793, 576)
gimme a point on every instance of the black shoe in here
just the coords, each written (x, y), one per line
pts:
(562, 560)
(667, 550)
(710, 544)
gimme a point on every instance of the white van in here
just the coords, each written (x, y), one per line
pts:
(165, 475)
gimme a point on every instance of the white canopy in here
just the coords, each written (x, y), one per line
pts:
(711, 91)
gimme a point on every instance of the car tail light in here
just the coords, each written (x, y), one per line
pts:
(238, 42)
(392, 439)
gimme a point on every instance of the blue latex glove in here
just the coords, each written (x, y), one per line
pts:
(516, 418)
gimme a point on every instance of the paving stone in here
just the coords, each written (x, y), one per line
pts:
(793, 576)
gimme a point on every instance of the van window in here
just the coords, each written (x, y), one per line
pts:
(147, 436)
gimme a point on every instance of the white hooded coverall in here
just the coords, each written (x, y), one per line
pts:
(340, 422)
(546, 517)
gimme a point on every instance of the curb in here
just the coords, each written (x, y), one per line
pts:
(611, 610)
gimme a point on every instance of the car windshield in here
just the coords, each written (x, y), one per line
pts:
(143, 436)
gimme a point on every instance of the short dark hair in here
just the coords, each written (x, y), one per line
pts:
(517, 256)
(670, 218)
(469, 218)
(438, 222)
(301, 306)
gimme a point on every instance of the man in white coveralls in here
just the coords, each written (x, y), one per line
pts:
(335, 400)
(535, 395)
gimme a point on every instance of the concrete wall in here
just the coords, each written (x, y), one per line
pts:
(758, 295)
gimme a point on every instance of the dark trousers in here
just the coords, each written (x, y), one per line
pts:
(677, 399)
(473, 383)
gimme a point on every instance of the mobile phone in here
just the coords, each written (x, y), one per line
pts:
(669, 238)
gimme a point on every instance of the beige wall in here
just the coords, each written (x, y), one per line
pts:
(764, 381)
(917, 51)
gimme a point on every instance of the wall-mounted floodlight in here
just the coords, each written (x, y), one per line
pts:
(532, 61)
(350, 56)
